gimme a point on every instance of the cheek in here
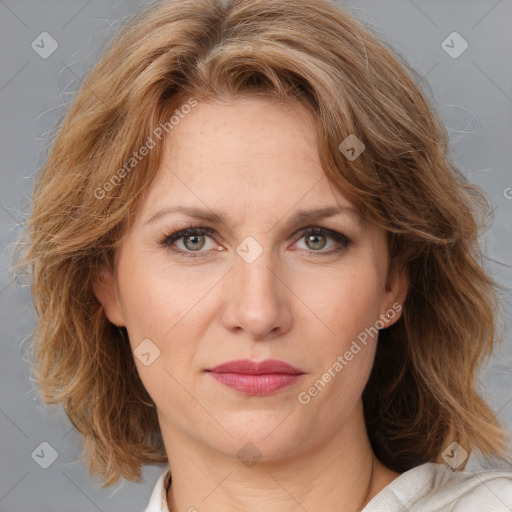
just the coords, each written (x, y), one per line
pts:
(149, 307)
(153, 300)
(347, 304)
(165, 306)
(155, 310)
(345, 301)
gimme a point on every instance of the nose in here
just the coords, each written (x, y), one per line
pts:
(257, 299)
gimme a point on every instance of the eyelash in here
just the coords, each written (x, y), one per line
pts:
(339, 238)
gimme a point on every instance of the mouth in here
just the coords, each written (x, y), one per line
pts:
(256, 377)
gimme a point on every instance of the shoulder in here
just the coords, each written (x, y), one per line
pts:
(465, 491)
(433, 487)
(487, 490)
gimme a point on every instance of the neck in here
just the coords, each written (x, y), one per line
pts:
(342, 473)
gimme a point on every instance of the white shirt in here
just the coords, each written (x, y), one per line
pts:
(430, 487)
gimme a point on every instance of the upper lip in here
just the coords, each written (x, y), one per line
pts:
(248, 366)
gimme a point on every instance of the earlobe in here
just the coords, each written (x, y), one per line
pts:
(105, 291)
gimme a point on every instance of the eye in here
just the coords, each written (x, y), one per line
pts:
(316, 239)
(193, 240)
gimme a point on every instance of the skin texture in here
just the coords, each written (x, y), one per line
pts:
(256, 161)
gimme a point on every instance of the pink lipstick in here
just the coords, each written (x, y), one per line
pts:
(256, 377)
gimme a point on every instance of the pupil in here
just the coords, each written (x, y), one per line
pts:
(194, 239)
(315, 237)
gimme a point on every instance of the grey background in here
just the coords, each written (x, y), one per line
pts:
(473, 93)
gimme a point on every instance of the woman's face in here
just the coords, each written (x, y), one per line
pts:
(256, 286)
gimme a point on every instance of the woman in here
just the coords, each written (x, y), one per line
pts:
(254, 263)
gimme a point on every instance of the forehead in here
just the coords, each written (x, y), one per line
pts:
(259, 152)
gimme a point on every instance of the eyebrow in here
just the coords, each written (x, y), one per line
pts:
(208, 215)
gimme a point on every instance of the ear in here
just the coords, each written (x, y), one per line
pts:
(397, 286)
(106, 292)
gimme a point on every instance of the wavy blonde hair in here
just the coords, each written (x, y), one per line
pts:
(420, 396)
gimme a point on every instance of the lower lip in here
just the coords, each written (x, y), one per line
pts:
(256, 384)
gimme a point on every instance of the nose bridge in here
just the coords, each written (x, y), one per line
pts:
(255, 296)
(255, 268)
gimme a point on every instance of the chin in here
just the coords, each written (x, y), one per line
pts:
(264, 433)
